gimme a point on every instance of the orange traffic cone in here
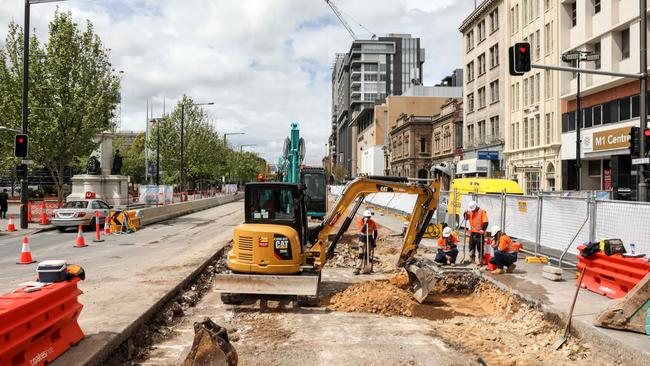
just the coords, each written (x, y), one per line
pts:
(44, 218)
(107, 225)
(81, 242)
(11, 227)
(26, 254)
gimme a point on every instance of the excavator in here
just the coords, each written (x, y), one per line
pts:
(275, 252)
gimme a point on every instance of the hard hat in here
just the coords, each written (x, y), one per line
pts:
(472, 206)
(367, 213)
(495, 230)
(446, 232)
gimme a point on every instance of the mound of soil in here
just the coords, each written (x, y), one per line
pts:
(379, 297)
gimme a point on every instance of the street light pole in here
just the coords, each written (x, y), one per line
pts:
(182, 172)
(225, 136)
(241, 147)
(24, 194)
(158, 153)
(642, 194)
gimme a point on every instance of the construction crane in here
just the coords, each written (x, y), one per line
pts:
(347, 26)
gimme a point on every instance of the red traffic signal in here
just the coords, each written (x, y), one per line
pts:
(21, 143)
(646, 133)
(519, 58)
(260, 177)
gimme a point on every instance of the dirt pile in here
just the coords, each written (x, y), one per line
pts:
(378, 297)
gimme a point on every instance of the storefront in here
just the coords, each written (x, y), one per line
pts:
(606, 162)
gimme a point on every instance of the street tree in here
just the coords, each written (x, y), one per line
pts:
(73, 93)
(133, 159)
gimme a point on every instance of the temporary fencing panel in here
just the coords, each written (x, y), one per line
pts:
(37, 209)
(37, 327)
(561, 220)
(492, 205)
(628, 221)
(521, 217)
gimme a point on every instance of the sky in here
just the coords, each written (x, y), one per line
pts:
(264, 63)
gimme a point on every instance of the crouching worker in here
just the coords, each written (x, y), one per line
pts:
(447, 247)
(367, 242)
(505, 251)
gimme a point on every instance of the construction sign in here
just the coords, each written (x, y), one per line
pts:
(124, 221)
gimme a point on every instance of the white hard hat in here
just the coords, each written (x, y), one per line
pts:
(367, 213)
(472, 206)
(495, 230)
(446, 232)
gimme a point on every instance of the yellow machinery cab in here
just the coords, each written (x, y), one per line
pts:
(273, 235)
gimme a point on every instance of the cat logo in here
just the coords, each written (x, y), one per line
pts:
(382, 188)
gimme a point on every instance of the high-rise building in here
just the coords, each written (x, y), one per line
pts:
(532, 133)
(365, 76)
(484, 54)
(609, 105)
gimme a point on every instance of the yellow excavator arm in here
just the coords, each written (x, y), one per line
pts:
(356, 191)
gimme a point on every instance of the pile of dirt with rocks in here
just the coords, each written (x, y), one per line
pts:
(379, 297)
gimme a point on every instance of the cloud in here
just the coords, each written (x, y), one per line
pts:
(263, 63)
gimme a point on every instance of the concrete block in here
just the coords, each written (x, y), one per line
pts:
(552, 273)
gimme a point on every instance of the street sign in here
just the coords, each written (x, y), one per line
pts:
(27, 162)
(640, 161)
(488, 155)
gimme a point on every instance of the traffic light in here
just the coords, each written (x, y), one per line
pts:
(21, 171)
(520, 62)
(635, 142)
(20, 146)
(260, 177)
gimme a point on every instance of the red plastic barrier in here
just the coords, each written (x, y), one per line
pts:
(37, 209)
(37, 327)
(612, 276)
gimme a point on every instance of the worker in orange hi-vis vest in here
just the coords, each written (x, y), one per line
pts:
(505, 251)
(367, 242)
(478, 224)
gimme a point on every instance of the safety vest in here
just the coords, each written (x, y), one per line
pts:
(372, 227)
(447, 244)
(505, 244)
(477, 219)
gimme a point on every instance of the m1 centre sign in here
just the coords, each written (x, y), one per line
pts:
(613, 139)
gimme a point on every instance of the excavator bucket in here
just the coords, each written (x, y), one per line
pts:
(631, 312)
(420, 281)
(306, 285)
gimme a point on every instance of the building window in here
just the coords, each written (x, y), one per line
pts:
(597, 51)
(538, 53)
(470, 40)
(532, 182)
(470, 71)
(494, 128)
(594, 168)
(517, 18)
(458, 135)
(525, 92)
(574, 14)
(548, 38)
(624, 107)
(494, 56)
(598, 115)
(481, 97)
(517, 135)
(625, 43)
(423, 144)
(548, 131)
(512, 20)
(596, 6)
(494, 20)
(494, 91)
(537, 82)
(481, 64)
(525, 132)
(537, 131)
(481, 31)
(547, 4)
(481, 132)
(513, 98)
(517, 95)
(370, 67)
(470, 102)
(369, 77)
(513, 139)
(470, 135)
(548, 84)
(525, 12)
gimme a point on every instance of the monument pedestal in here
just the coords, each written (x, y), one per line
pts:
(114, 189)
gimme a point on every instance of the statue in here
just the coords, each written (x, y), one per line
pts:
(117, 163)
(93, 167)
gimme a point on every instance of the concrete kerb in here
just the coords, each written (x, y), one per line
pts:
(579, 327)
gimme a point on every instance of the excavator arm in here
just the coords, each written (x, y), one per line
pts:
(425, 205)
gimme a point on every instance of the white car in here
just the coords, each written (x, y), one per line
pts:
(82, 212)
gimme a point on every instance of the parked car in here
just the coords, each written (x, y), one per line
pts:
(82, 212)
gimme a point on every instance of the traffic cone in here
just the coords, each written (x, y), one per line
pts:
(26, 254)
(44, 218)
(81, 242)
(98, 230)
(107, 225)
(11, 227)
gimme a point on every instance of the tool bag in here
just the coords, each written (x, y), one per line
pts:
(590, 249)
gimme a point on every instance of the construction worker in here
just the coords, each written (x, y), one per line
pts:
(367, 239)
(478, 224)
(447, 247)
(505, 251)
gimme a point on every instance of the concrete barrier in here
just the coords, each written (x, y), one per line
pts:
(153, 215)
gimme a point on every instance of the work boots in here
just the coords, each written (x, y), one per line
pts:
(511, 268)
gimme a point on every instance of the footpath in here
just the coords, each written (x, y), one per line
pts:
(554, 299)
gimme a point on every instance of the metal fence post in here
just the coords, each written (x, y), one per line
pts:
(538, 233)
(592, 216)
(455, 223)
(503, 210)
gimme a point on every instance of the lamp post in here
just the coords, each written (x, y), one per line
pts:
(579, 56)
(182, 172)
(225, 136)
(24, 194)
(241, 147)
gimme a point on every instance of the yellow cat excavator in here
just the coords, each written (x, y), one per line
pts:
(275, 252)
